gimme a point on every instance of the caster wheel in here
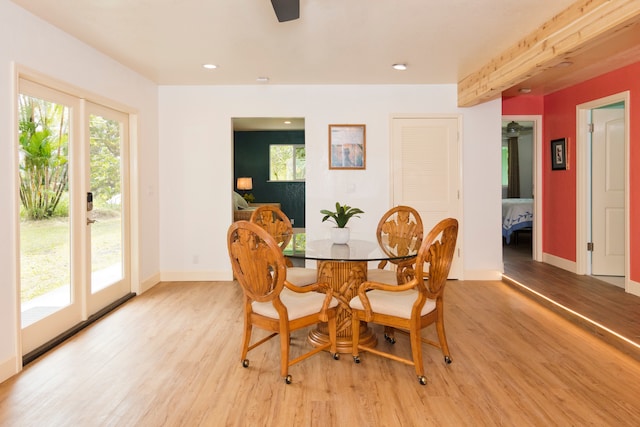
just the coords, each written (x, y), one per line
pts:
(389, 339)
(447, 360)
(245, 363)
(336, 356)
(287, 379)
(356, 359)
(422, 380)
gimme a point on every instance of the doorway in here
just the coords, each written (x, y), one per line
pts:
(269, 155)
(524, 131)
(602, 154)
(74, 209)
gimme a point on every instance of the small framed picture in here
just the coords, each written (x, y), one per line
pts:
(559, 154)
(347, 146)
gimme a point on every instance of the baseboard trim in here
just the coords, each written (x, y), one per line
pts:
(9, 368)
(562, 263)
(482, 275)
(149, 283)
(196, 276)
(633, 288)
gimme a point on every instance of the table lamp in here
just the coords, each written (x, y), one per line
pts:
(245, 184)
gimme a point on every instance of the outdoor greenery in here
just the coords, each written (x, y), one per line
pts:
(43, 139)
(45, 252)
(105, 158)
(287, 162)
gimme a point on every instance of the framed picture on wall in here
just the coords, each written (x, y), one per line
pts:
(559, 154)
(347, 146)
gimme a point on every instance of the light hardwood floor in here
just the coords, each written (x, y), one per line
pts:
(604, 309)
(170, 357)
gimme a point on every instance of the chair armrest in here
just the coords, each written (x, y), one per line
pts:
(367, 286)
(319, 287)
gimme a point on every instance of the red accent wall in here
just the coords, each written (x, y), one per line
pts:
(559, 187)
(525, 105)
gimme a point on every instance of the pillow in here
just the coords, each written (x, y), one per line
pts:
(239, 202)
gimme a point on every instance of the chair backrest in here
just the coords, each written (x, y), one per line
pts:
(436, 251)
(400, 231)
(257, 261)
(275, 222)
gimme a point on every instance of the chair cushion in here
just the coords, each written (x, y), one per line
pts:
(301, 276)
(379, 275)
(396, 304)
(298, 304)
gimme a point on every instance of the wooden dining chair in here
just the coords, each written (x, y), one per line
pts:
(270, 301)
(413, 305)
(276, 223)
(399, 233)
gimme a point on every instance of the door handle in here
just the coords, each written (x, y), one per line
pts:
(90, 221)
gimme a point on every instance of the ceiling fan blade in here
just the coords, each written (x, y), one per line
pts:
(286, 10)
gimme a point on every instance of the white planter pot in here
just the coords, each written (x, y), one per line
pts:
(340, 236)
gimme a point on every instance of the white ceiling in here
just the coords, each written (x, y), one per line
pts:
(333, 42)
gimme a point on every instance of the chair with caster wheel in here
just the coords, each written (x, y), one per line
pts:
(414, 305)
(270, 301)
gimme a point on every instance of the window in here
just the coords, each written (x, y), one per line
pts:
(287, 162)
(505, 166)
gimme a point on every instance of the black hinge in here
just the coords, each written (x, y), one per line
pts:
(590, 246)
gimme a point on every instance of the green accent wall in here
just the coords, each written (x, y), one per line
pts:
(251, 158)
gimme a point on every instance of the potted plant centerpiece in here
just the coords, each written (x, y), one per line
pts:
(341, 216)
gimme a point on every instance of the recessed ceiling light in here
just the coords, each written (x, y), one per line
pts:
(524, 90)
(400, 67)
(210, 66)
(262, 79)
(287, 122)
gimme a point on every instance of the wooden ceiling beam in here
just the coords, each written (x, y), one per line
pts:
(584, 23)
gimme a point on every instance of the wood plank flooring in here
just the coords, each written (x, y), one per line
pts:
(604, 309)
(170, 357)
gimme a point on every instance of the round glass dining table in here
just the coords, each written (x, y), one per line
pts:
(344, 268)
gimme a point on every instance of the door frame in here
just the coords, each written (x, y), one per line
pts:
(583, 178)
(22, 72)
(537, 180)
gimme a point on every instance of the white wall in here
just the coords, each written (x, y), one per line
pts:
(30, 42)
(196, 165)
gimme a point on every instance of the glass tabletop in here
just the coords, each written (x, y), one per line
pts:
(325, 250)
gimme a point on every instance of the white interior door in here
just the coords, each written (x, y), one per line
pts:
(608, 192)
(426, 171)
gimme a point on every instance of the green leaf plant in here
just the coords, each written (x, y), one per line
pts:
(341, 215)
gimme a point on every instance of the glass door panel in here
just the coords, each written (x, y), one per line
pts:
(105, 184)
(107, 225)
(45, 227)
(51, 258)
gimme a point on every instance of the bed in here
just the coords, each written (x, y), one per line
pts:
(517, 214)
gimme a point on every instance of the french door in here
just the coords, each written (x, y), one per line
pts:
(74, 235)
